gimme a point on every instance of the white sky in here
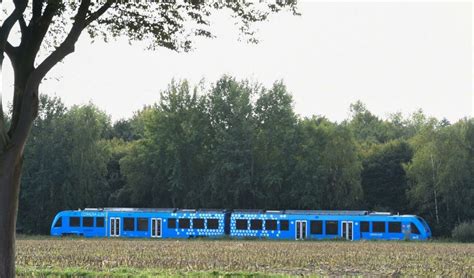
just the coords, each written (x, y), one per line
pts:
(395, 57)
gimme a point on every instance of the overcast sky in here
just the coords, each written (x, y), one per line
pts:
(395, 57)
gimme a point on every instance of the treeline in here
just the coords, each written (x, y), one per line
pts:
(240, 145)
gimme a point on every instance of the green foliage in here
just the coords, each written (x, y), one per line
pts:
(441, 174)
(383, 178)
(327, 168)
(65, 165)
(117, 149)
(170, 24)
(232, 172)
(464, 232)
(44, 169)
(241, 145)
(167, 166)
(276, 131)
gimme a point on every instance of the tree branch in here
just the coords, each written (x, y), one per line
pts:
(67, 46)
(11, 52)
(19, 5)
(22, 22)
(28, 107)
(5, 29)
(8, 24)
(95, 15)
(37, 9)
(38, 29)
(26, 52)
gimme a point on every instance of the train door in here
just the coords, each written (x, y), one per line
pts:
(347, 230)
(114, 226)
(300, 232)
(156, 227)
(227, 217)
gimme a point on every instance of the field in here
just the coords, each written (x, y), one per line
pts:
(124, 258)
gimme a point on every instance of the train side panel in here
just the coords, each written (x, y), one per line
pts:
(296, 225)
(133, 224)
(318, 227)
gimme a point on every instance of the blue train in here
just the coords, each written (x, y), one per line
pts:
(271, 224)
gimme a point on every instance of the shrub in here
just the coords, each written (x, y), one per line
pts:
(464, 232)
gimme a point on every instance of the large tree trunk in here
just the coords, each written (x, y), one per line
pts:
(11, 159)
(10, 172)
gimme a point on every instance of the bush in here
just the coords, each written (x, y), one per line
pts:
(464, 232)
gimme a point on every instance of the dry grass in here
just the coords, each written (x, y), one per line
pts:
(268, 257)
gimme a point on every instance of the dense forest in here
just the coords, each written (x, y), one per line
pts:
(237, 144)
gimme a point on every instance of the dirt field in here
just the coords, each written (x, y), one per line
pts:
(118, 257)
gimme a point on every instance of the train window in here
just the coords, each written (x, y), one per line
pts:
(316, 227)
(241, 224)
(184, 223)
(212, 223)
(378, 227)
(394, 227)
(284, 225)
(171, 223)
(270, 225)
(87, 221)
(99, 222)
(142, 224)
(198, 223)
(256, 224)
(332, 228)
(128, 224)
(364, 226)
(59, 223)
(414, 229)
(74, 221)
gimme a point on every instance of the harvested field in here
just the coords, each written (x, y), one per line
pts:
(117, 257)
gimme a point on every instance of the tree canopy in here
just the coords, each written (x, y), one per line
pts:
(241, 145)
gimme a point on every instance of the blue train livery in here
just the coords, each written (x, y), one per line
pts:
(285, 224)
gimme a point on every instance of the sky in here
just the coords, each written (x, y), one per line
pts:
(394, 57)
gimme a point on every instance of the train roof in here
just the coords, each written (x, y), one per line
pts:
(305, 212)
(249, 211)
(172, 210)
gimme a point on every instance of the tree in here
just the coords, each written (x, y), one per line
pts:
(368, 129)
(441, 174)
(84, 184)
(233, 137)
(44, 169)
(383, 177)
(117, 149)
(173, 152)
(327, 172)
(59, 24)
(276, 142)
(65, 162)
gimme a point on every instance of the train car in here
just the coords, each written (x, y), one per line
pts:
(140, 223)
(311, 224)
(285, 224)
